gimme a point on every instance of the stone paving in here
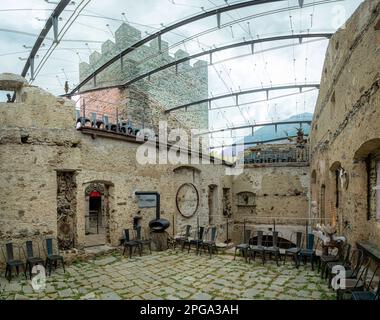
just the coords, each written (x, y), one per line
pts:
(173, 275)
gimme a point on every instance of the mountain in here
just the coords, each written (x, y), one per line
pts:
(269, 132)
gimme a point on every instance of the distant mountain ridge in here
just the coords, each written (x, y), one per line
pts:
(269, 132)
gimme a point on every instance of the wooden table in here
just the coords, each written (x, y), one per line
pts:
(371, 250)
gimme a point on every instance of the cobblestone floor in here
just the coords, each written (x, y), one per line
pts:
(173, 275)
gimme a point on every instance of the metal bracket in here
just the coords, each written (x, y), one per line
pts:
(55, 28)
(31, 68)
(159, 44)
(218, 19)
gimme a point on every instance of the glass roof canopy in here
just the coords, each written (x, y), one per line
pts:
(89, 23)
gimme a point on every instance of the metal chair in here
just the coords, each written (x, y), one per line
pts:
(308, 252)
(11, 261)
(294, 250)
(352, 265)
(357, 284)
(342, 256)
(130, 244)
(31, 258)
(243, 247)
(274, 249)
(210, 245)
(367, 295)
(258, 248)
(52, 257)
(196, 241)
(142, 242)
(183, 237)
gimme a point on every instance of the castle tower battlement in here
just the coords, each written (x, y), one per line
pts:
(170, 87)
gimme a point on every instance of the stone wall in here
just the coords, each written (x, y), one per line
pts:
(170, 87)
(39, 146)
(345, 128)
(268, 194)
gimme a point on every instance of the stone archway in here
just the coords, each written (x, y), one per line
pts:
(97, 214)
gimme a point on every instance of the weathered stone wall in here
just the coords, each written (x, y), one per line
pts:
(39, 144)
(346, 125)
(275, 193)
(170, 87)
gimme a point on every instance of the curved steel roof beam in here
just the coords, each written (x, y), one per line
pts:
(227, 47)
(243, 92)
(253, 143)
(49, 23)
(278, 123)
(158, 34)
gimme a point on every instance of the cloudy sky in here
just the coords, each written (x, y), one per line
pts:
(232, 70)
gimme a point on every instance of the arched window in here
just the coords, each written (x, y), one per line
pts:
(370, 153)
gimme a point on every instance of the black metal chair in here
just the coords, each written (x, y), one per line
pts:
(258, 248)
(197, 241)
(11, 261)
(130, 244)
(352, 265)
(367, 295)
(181, 239)
(274, 249)
(210, 244)
(356, 284)
(308, 252)
(143, 241)
(243, 247)
(342, 256)
(296, 238)
(31, 258)
(52, 256)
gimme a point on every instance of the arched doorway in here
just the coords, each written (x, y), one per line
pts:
(96, 216)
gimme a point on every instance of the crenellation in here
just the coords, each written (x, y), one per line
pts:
(126, 36)
(108, 49)
(170, 87)
(94, 59)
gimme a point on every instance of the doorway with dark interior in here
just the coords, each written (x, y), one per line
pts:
(95, 230)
